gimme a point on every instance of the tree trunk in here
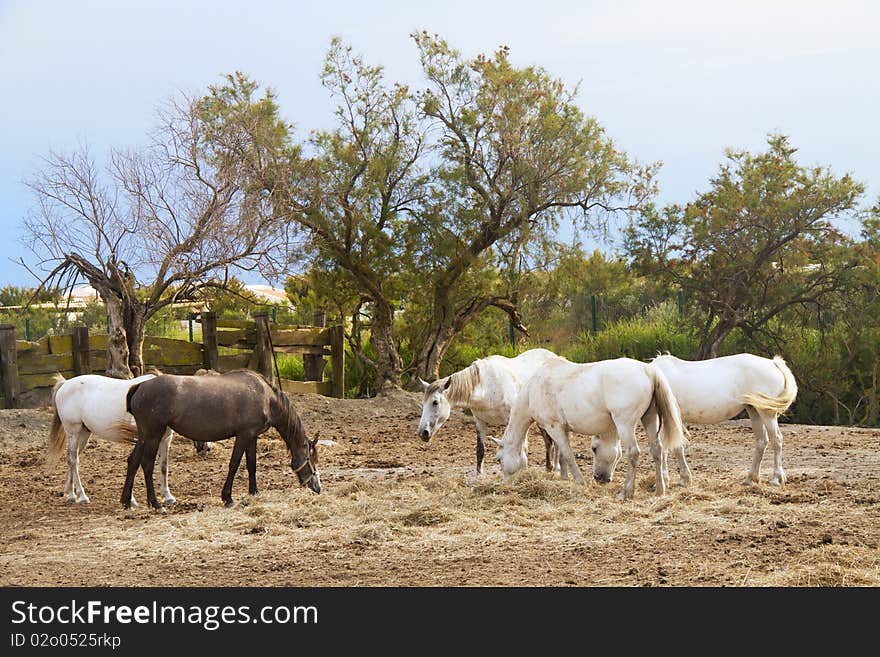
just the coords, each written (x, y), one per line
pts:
(710, 343)
(388, 362)
(135, 330)
(433, 351)
(117, 343)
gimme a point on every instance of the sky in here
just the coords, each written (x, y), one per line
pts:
(677, 81)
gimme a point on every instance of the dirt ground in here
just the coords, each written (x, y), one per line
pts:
(395, 511)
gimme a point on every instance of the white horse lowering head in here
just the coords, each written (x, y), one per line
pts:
(435, 407)
(606, 454)
(511, 459)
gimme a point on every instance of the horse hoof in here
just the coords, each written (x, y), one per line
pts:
(227, 503)
(170, 501)
(83, 500)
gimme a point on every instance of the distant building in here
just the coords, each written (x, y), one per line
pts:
(81, 295)
(270, 294)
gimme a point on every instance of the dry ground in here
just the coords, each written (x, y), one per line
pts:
(395, 511)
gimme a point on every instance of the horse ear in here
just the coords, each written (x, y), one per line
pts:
(313, 443)
(425, 384)
(448, 383)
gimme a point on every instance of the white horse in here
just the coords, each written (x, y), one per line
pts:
(711, 391)
(93, 404)
(606, 399)
(488, 387)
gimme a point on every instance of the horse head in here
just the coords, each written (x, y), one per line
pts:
(606, 454)
(307, 470)
(510, 459)
(435, 407)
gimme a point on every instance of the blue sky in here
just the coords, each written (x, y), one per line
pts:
(672, 81)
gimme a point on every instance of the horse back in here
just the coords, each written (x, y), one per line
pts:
(203, 408)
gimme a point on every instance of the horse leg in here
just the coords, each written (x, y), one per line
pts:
(482, 428)
(551, 459)
(134, 460)
(71, 436)
(148, 463)
(234, 462)
(75, 444)
(566, 456)
(627, 436)
(684, 471)
(658, 452)
(164, 444)
(775, 433)
(760, 444)
(250, 454)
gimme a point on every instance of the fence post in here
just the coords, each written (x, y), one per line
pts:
(264, 356)
(337, 353)
(313, 364)
(594, 323)
(211, 355)
(8, 364)
(82, 356)
(679, 297)
(191, 327)
(27, 329)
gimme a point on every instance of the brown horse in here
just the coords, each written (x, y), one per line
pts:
(240, 403)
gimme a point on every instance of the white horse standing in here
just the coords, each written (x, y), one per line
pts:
(488, 387)
(711, 391)
(606, 398)
(93, 404)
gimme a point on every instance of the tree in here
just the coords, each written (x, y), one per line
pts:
(517, 155)
(361, 187)
(759, 242)
(164, 224)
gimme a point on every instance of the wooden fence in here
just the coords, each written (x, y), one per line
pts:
(28, 369)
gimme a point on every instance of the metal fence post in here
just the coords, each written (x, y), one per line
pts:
(594, 323)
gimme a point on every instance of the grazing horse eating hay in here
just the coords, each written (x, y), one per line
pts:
(91, 404)
(488, 387)
(239, 403)
(711, 391)
(606, 399)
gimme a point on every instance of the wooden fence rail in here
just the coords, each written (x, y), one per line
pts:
(28, 370)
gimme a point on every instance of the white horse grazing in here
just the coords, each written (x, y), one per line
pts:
(606, 399)
(488, 387)
(711, 391)
(93, 404)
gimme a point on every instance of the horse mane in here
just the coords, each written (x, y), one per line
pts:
(290, 422)
(461, 384)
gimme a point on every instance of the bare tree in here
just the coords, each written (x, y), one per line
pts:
(165, 223)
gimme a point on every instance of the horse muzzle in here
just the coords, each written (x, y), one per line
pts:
(425, 435)
(602, 478)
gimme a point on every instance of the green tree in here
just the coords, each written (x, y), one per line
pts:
(760, 242)
(359, 191)
(516, 156)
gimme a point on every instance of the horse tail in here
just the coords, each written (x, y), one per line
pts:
(673, 433)
(57, 435)
(122, 432)
(129, 395)
(783, 400)
(125, 432)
